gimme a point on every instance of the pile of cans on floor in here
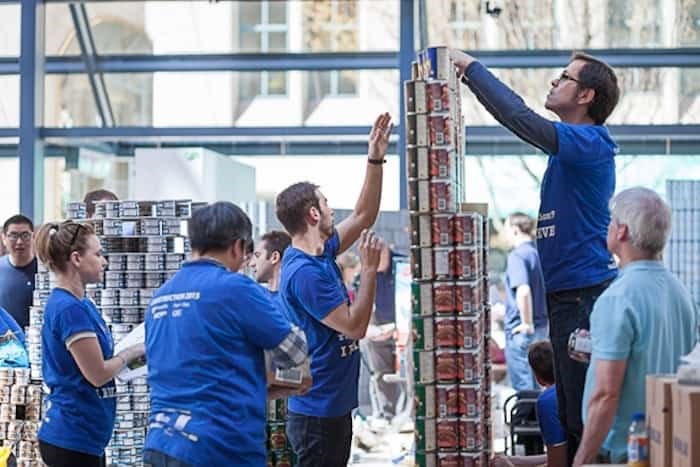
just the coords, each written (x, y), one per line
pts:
(144, 243)
(279, 451)
(449, 239)
(20, 414)
(682, 253)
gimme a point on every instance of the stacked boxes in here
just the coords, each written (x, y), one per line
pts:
(682, 253)
(450, 317)
(144, 243)
(20, 414)
(279, 451)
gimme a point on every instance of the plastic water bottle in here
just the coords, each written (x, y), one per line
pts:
(638, 442)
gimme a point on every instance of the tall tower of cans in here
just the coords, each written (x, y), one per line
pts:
(144, 243)
(682, 253)
(449, 242)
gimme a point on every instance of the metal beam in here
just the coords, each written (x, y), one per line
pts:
(31, 157)
(407, 53)
(88, 52)
(620, 58)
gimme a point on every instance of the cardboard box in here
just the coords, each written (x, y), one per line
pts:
(686, 426)
(286, 382)
(660, 419)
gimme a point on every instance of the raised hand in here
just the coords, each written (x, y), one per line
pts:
(379, 136)
(461, 60)
(370, 250)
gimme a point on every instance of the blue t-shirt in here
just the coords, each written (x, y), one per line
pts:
(523, 268)
(310, 288)
(206, 329)
(16, 288)
(553, 433)
(8, 323)
(647, 318)
(573, 219)
(77, 416)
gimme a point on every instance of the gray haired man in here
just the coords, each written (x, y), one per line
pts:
(640, 325)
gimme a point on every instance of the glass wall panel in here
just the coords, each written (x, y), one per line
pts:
(9, 101)
(9, 30)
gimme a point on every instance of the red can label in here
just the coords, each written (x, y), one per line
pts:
(440, 163)
(448, 433)
(444, 297)
(467, 228)
(442, 230)
(470, 400)
(466, 262)
(447, 365)
(470, 459)
(469, 434)
(468, 333)
(441, 195)
(449, 459)
(447, 400)
(469, 365)
(438, 97)
(446, 332)
(467, 297)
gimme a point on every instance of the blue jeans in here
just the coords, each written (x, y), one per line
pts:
(153, 458)
(568, 310)
(320, 441)
(519, 371)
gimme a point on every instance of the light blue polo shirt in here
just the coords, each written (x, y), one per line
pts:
(646, 317)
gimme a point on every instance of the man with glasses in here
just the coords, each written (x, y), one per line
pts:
(573, 215)
(17, 268)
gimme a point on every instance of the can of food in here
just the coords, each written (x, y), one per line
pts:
(18, 395)
(467, 297)
(441, 263)
(466, 262)
(447, 400)
(128, 297)
(425, 432)
(469, 365)
(116, 262)
(466, 228)
(424, 400)
(419, 196)
(441, 195)
(441, 163)
(132, 316)
(438, 96)
(421, 230)
(445, 332)
(112, 227)
(440, 131)
(435, 63)
(469, 434)
(426, 459)
(423, 333)
(109, 297)
(422, 263)
(424, 366)
(447, 430)
(472, 459)
(153, 280)
(443, 298)
(22, 376)
(449, 459)
(422, 298)
(134, 280)
(468, 332)
(470, 400)
(417, 129)
(446, 365)
(441, 230)
(115, 279)
(151, 226)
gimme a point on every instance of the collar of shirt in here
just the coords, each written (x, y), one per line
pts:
(642, 265)
(205, 260)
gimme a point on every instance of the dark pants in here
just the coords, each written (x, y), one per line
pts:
(568, 310)
(320, 441)
(53, 456)
(153, 458)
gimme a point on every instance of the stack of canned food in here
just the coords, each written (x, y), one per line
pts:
(683, 249)
(279, 451)
(144, 243)
(449, 239)
(20, 414)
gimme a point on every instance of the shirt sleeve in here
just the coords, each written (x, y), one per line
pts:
(517, 270)
(612, 328)
(292, 351)
(580, 145)
(12, 325)
(263, 324)
(552, 432)
(71, 321)
(316, 291)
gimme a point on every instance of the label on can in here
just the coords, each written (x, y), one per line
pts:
(447, 399)
(441, 195)
(437, 95)
(449, 459)
(442, 269)
(422, 133)
(469, 434)
(468, 335)
(447, 433)
(441, 230)
(443, 297)
(441, 163)
(469, 400)
(409, 92)
(423, 333)
(469, 365)
(466, 228)
(421, 100)
(446, 365)
(422, 298)
(424, 400)
(421, 230)
(418, 162)
(439, 130)
(425, 434)
(424, 366)
(445, 332)
(466, 262)
(471, 459)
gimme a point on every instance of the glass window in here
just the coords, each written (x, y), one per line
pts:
(689, 31)
(9, 101)
(263, 29)
(331, 26)
(635, 24)
(9, 30)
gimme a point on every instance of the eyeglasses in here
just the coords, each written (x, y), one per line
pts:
(14, 236)
(564, 76)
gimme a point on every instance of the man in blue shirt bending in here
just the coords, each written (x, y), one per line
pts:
(641, 325)
(319, 424)
(576, 187)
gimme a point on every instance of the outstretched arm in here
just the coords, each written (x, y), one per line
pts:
(505, 105)
(367, 207)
